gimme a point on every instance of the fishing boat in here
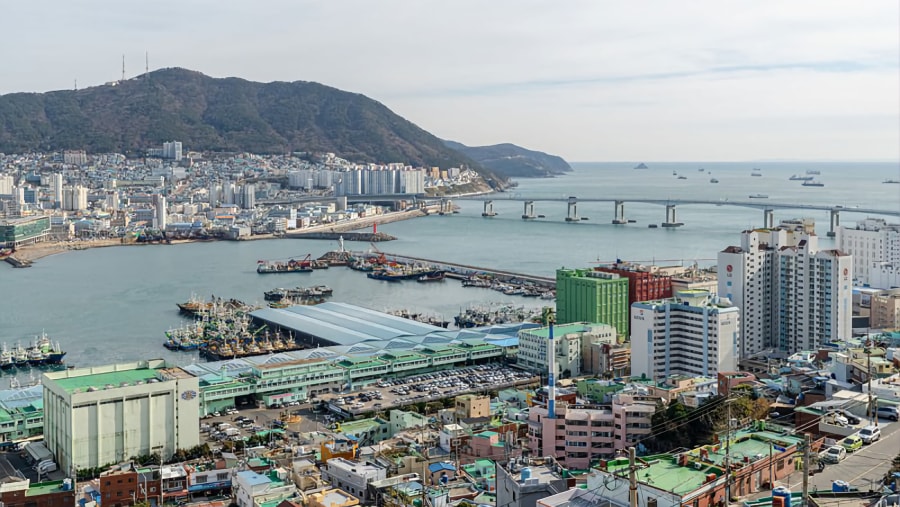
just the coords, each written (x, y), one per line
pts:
(7, 360)
(682, 177)
(759, 196)
(20, 356)
(434, 276)
(891, 181)
(797, 177)
(756, 172)
(813, 171)
(290, 266)
(813, 183)
(713, 180)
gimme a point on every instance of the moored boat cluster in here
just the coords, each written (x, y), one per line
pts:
(41, 352)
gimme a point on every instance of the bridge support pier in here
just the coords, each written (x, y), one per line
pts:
(488, 209)
(619, 217)
(768, 219)
(446, 207)
(671, 220)
(572, 212)
(835, 222)
(528, 213)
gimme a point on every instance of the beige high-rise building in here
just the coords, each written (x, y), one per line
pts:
(885, 311)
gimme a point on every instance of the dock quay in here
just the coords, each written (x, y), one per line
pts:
(371, 237)
(18, 263)
(464, 271)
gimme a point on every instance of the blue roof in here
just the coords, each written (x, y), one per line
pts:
(253, 479)
(437, 467)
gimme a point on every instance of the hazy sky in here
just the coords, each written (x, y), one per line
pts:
(588, 80)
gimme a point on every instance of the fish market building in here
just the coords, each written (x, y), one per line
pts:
(356, 346)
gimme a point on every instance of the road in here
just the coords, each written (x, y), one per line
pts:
(859, 468)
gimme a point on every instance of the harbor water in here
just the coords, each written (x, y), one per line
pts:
(114, 304)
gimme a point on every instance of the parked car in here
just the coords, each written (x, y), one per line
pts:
(891, 413)
(834, 454)
(851, 418)
(870, 434)
(852, 443)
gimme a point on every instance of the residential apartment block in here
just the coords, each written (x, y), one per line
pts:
(579, 436)
(791, 295)
(570, 342)
(693, 334)
(872, 243)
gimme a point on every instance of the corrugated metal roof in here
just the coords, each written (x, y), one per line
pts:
(313, 326)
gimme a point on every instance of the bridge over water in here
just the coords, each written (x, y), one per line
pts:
(767, 207)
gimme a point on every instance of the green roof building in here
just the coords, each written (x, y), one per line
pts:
(585, 295)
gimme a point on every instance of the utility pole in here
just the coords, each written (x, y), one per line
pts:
(632, 479)
(771, 467)
(870, 410)
(728, 455)
(807, 443)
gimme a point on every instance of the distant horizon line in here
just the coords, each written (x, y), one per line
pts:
(759, 161)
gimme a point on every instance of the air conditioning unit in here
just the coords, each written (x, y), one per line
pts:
(698, 465)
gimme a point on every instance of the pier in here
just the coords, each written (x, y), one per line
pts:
(463, 271)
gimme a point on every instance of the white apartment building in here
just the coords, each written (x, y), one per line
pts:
(107, 414)
(56, 183)
(75, 198)
(353, 477)
(780, 299)
(875, 247)
(161, 211)
(248, 196)
(814, 300)
(6, 184)
(693, 334)
(872, 243)
(172, 150)
(569, 341)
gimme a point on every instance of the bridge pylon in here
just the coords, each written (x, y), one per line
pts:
(619, 218)
(768, 218)
(671, 220)
(572, 211)
(528, 213)
(835, 222)
(488, 209)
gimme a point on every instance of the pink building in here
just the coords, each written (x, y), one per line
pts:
(579, 436)
(486, 444)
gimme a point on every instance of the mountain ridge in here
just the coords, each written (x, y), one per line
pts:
(511, 161)
(220, 114)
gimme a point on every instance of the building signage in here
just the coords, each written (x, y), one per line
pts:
(188, 395)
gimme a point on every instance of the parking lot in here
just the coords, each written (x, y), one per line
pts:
(396, 393)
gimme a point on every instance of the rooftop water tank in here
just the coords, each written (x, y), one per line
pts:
(784, 494)
(840, 486)
(526, 474)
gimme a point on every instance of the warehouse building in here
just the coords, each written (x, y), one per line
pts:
(108, 414)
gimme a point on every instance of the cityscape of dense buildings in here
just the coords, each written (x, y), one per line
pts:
(382, 410)
(184, 195)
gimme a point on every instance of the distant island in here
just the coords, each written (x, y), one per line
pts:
(511, 161)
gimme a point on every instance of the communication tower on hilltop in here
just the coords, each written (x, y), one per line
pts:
(123, 67)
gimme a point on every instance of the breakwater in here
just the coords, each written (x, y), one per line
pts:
(372, 237)
(464, 271)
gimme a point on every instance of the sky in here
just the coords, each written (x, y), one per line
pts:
(590, 80)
